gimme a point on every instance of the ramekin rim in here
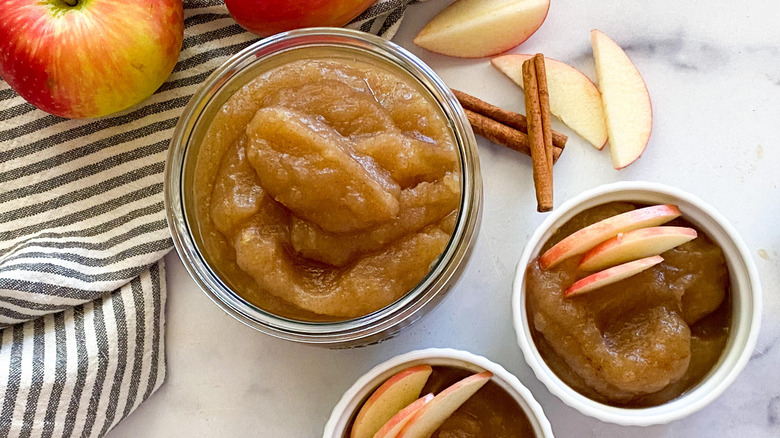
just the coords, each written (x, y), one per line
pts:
(536, 411)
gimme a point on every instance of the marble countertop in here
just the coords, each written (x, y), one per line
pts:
(713, 72)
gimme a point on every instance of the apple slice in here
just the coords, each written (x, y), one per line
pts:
(476, 28)
(428, 418)
(611, 275)
(590, 236)
(397, 392)
(634, 245)
(399, 420)
(573, 97)
(629, 114)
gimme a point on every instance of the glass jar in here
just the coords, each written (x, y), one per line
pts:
(240, 69)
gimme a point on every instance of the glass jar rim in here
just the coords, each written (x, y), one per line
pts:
(348, 331)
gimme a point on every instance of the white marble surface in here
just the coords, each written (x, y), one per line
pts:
(713, 71)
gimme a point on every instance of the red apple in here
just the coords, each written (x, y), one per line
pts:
(393, 395)
(399, 420)
(88, 58)
(590, 236)
(635, 245)
(429, 417)
(267, 17)
(611, 275)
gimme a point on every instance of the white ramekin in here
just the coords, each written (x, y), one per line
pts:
(745, 295)
(364, 386)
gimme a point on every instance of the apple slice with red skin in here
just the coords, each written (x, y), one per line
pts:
(590, 236)
(634, 245)
(476, 28)
(396, 393)
(428, 418)
(399, 420)
(573, 97)
(611, 275)
(627, 107)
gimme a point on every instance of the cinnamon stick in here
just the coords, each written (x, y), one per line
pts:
(544, 106)
(496, 132)
(509, 118)
(542, 170)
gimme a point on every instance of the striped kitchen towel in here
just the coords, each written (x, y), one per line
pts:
(82, 234)
(81, 371)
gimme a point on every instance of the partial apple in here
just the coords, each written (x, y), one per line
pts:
(428, 418)
(627, 108)
(634, 245)
(394, 394)
(268, 17)
(586, 238)
(88, 58)
(477, 28)
(611, 275)
(573, 97)
(393, 427)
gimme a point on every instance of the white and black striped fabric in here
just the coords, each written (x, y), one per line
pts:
(82, 234)
(81, 371)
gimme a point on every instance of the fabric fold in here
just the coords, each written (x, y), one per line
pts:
(81, 371)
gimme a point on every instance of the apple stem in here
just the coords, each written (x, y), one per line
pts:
(71, 2)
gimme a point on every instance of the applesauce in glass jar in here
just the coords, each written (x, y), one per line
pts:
(325, 189)
(641, 341)
(323, 186)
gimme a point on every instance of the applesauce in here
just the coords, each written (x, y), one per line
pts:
(326, 189)
(641, 341)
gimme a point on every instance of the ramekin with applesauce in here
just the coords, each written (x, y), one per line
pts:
(504, 385)
(323, 186)
(554, 361)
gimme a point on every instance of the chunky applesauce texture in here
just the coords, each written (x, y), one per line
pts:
(326, 189)
(641, 341)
